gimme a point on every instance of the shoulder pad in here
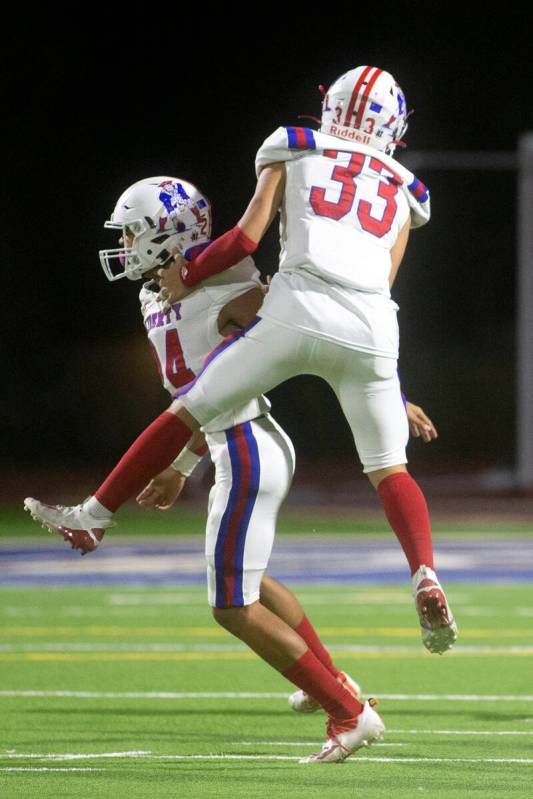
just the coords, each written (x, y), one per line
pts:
(284, 144)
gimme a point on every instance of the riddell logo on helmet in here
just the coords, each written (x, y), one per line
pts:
(344, 133)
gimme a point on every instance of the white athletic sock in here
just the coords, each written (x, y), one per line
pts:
(96, 509)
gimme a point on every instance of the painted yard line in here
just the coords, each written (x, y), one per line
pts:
(58, 646)
(86, 756)
(63, 770)
(103, 657)
(127, 656)
(213, 631)
(157, 599)
(357, 759)
(354, 760)
(146, 695)
(257, 695)
(460, 732)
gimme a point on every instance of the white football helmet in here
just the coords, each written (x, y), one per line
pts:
(366, 105)
(162, 213)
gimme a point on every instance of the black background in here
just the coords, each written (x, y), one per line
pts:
(92, 106)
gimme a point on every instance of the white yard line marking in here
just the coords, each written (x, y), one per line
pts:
(243, 757)
(355, 759)
(96, 756)
(350, 761)
(259, 695)
(460, 732)
(147, 694)
(156, 599)
(65, 770)
(454, 697)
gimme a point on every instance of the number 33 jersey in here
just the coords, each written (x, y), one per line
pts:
(344, 206)
(183, 337)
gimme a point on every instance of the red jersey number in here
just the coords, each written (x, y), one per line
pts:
(176, 372)
(347, 176)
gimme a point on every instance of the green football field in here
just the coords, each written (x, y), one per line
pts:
(135, 692)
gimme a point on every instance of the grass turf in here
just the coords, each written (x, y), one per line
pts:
(120, 640)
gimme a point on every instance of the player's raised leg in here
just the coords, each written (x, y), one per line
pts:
(370, 395)
(84, 525)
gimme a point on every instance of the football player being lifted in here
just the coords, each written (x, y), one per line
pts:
(346, 208)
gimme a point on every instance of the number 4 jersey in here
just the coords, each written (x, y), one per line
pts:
(183, 337)
(344, 206)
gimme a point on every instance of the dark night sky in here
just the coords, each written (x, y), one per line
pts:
(88, 115)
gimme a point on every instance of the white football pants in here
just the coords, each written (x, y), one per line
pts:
(254, 466)
(265, 354)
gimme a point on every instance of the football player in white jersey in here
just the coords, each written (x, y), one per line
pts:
(253, 457)
(346, 210)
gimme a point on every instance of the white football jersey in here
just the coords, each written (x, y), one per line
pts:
(343, 208)
(183, 337)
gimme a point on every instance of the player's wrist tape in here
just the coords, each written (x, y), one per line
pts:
(219, 255)
(186, 462)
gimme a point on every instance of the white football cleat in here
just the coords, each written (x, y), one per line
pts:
(75, 524)
(345, 739)
(437, 624)
(301, 702)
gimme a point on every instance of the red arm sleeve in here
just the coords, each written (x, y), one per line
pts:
(217, 256)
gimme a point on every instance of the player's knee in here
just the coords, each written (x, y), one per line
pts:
(233, 619)
(377, 476)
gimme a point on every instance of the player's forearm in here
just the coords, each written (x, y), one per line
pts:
(221, 254)
(243, 239)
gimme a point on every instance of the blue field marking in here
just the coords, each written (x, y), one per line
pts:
(331, 559)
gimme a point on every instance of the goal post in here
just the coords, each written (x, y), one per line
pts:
(522, 163)
(524, 362)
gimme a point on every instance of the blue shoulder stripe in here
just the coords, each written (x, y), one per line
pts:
(300, 138)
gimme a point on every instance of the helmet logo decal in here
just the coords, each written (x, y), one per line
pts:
(174, 198)
(401, 103)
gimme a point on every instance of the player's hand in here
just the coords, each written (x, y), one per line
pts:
(162, 492)
(420, 424)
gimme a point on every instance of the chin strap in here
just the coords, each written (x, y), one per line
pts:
(310, 116)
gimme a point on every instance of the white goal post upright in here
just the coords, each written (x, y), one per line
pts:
(524, 362)
(486, 160)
